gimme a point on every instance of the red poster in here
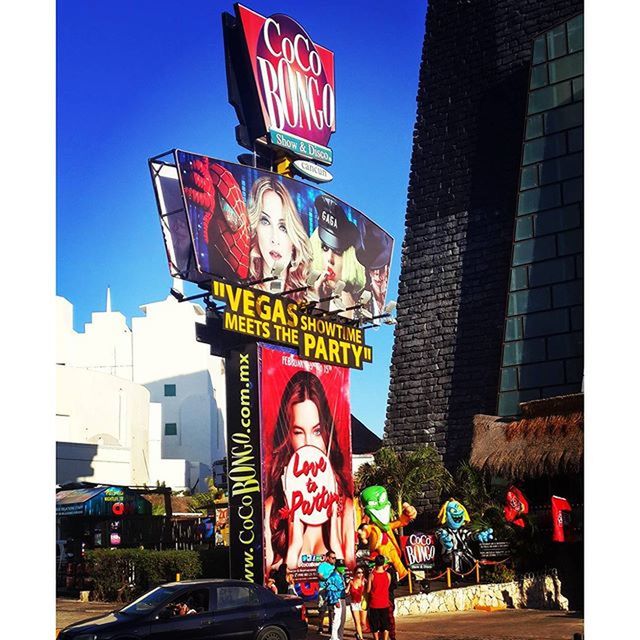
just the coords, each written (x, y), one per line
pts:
(306, 472)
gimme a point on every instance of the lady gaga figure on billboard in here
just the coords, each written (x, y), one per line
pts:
(277, 236)
(334, 245)
(308, 505)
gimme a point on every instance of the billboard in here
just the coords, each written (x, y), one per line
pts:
(243, 224)
(306, 469)
(281, 83)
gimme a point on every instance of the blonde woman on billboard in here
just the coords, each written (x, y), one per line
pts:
(334, 244)
(305, 419)
(277, 236)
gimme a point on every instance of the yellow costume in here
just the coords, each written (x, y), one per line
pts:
(385, 543)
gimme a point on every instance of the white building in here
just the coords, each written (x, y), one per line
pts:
(146, 404)
(185, 379)
(102, 416)
(102, 428)
(140, 405)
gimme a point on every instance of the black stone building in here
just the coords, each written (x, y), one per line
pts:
(490, 297)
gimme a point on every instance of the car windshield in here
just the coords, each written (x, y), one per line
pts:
(149, 601)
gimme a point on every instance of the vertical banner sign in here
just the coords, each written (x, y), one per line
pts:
(306, 473)
(243, 465)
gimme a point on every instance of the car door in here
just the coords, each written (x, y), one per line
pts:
(238, 613)
(196, 626)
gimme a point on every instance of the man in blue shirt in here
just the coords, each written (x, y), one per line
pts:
(325, 569)
(335, 595)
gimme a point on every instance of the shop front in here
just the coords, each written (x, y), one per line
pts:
(93, 518)
(539, 458)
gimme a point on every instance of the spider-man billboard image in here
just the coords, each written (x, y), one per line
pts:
(307, 481)
(270, 232)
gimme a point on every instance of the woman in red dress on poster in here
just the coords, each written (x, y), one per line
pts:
(305, 419)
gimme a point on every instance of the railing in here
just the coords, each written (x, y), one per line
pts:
(476, 568)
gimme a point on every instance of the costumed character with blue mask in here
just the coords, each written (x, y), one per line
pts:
(455, 537)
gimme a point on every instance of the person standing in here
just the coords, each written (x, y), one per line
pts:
(291, 585)
(325, 569)
(280, 578)
(336, 600)
(379, 601)
(356, 590)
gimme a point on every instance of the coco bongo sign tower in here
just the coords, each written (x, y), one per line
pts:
(292, 277)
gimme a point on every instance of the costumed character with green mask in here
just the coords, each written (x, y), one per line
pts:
(455, 537)
(377, 529)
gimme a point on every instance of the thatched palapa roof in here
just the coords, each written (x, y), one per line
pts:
(547, 440)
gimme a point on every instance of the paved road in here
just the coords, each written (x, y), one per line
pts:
(512, 624)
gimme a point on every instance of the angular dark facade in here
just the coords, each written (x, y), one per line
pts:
(543, 338)
(461, 210)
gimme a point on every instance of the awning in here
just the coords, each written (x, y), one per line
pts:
(548, 440)
(107, 502)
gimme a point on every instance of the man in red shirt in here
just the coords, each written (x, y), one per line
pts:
(379, 600)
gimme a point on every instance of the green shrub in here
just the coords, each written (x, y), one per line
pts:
(497, 573)
(126, 573)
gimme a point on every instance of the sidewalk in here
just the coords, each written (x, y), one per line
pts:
(69, 611)
(512, 624)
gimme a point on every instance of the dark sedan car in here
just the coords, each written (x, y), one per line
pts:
(200, 609)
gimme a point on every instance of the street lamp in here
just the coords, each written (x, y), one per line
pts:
(387, 310)
(179, 296)
(276, 271)
(311, 280)
(363, 300)
(313, 299)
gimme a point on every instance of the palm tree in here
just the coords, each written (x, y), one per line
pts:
(475, 491)
(405, 475)
(208, 498)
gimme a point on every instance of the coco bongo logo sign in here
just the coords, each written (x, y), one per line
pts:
(294, 79)
(419, 550)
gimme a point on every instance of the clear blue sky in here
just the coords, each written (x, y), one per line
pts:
(139, 77)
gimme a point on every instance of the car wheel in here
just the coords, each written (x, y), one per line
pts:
(272, 633)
